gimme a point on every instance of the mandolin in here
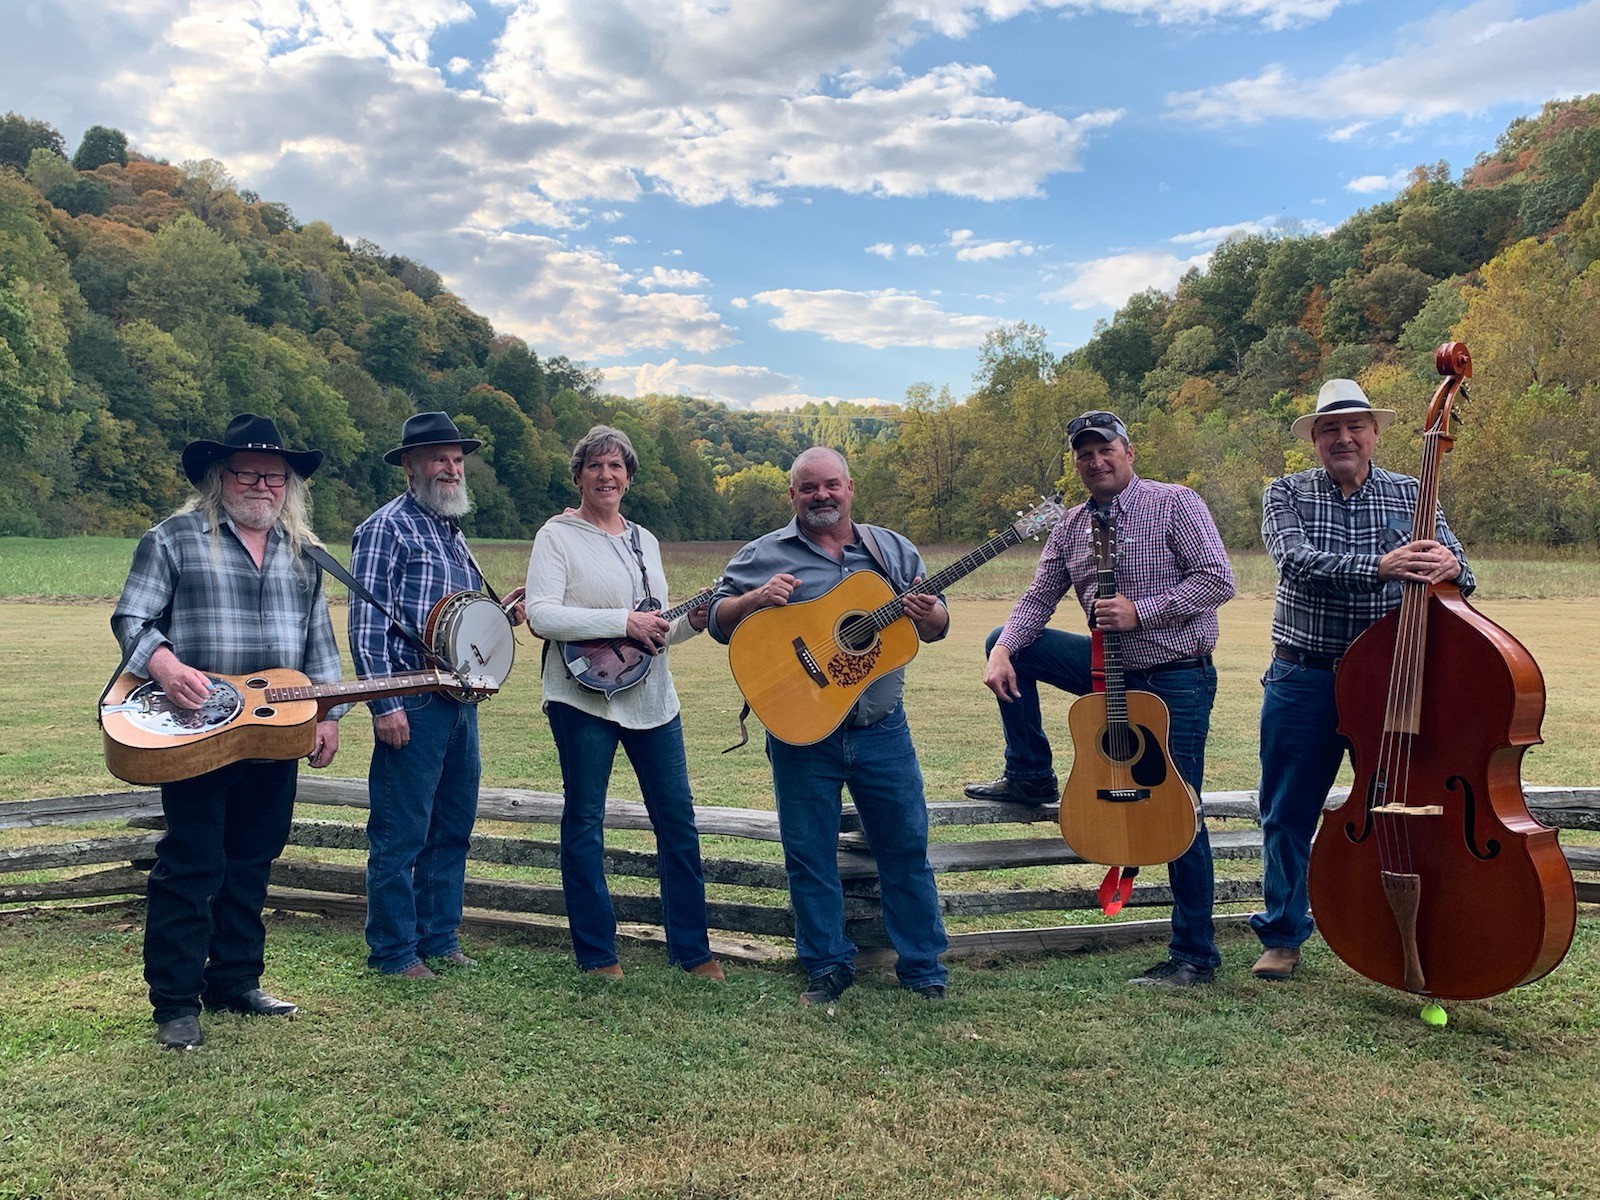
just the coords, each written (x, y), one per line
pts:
(803, 666)
(270, 714)
(1124, 804)
(611, 665)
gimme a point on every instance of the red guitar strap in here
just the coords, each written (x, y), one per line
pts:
(1097, 661)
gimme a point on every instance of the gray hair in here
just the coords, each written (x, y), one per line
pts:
(598, 440)
(814, 452)
(295, 516)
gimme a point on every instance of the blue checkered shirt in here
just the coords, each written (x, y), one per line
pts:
(409, 559)
(223, 614)
(1327, 546)
(1171, 564)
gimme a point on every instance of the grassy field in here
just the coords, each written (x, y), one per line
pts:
(522, 1079)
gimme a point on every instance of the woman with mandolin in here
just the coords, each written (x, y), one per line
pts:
(1341, 536)
(595, 580)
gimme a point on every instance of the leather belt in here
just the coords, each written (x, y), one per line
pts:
(1199, 662)
(1317, 662)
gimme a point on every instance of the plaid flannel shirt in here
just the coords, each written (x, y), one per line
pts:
(206, 598)
(1326, 546)
(409, 559)
(1172, 565)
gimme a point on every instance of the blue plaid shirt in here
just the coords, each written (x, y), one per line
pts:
(1327, 545)
(409, 559)
(227, 616)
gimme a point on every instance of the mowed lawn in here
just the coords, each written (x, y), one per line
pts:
(1036, 1078)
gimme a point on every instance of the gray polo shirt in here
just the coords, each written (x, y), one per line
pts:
(789, 551)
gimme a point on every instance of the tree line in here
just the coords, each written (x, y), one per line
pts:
(142, 304)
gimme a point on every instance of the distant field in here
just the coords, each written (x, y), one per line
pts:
(94, 567)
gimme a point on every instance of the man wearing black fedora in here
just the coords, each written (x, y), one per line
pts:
(1341, 538)
(423, 781)
(224, 586)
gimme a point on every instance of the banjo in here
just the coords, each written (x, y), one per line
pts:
(473, 633)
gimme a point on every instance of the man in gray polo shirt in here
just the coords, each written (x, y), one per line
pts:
(871, 751)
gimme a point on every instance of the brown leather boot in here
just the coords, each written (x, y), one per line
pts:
(614, 971)
(710, 969)
(1277, 962)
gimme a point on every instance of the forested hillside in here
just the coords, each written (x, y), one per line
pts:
(141, 304)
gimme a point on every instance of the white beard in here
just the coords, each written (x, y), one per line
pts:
(820, 518)
(436, 500)
(253, 514)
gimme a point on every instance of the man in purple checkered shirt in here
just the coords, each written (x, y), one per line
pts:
(1172, 576)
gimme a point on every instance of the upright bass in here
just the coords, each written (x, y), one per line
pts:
(1432, 876)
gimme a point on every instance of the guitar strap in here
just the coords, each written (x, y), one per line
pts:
(335, 568)
(865, 537)
(471, 558)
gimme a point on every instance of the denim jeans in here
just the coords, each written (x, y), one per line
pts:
(587, 746)
(1062, 659)
(1301, 750)
(203, 933)
(878, 764)
(424, 800)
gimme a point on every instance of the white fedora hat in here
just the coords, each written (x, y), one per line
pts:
(1339, 395)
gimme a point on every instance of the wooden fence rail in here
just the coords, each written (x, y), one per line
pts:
(307, 883)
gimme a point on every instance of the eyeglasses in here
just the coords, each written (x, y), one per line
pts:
(273, 479)
(1095, 420)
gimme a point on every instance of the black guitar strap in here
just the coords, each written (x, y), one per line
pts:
(335, 568)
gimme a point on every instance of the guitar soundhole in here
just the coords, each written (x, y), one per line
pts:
(255, 682)
(855, 635)
(262, 712)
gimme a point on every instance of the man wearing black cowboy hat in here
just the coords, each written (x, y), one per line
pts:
(223, 586)
(423, 782)
(1341, 538)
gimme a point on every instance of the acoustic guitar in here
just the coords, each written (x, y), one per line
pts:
(612, 665)
(803, 666)
(270, 714)
(1124, 804)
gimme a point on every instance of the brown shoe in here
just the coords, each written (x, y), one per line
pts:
(416, 971)
(1278, 962)
(710, 969)
(457, 959)
(614, 971)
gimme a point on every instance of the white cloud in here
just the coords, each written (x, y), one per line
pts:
(458, 65)
(622, 239)
(879, 319)
(1365, 185)
(748, 387)
(1219, 233)
(881, 249)
(1462, 61)
(671, 279)
(914, 250)
(578, 300)
(1108, 282)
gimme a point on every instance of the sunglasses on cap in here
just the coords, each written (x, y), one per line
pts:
(1104, 421)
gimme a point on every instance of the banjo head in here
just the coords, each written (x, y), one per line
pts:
(474, 635)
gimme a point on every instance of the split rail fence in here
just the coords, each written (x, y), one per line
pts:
(306, 884)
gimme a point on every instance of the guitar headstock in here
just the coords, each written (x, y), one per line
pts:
(1041, 518)
(1103, 531)
(478, 683)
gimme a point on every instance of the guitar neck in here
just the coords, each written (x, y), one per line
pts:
(888, 614)
(1116, 685)
(354, 691)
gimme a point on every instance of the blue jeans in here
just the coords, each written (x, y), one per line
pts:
(1062, 659)
(1301, 751)
(587, 746)
(424, 800)
(879, 765)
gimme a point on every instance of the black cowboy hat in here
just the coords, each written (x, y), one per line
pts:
(430, 429)
(247, 432)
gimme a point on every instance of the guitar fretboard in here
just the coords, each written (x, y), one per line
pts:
(358, 687)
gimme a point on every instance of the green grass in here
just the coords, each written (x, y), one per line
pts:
(1035, 1079)
(524, 1079)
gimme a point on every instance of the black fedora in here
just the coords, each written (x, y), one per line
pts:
(430, 429)
(247, 431)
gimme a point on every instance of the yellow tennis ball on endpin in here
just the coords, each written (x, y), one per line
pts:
(1435, 1016)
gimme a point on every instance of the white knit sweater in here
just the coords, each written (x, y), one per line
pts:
(582, 584)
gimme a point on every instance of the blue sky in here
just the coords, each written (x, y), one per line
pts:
(770, 201)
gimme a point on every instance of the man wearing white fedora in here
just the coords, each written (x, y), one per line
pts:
(1341, 538)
